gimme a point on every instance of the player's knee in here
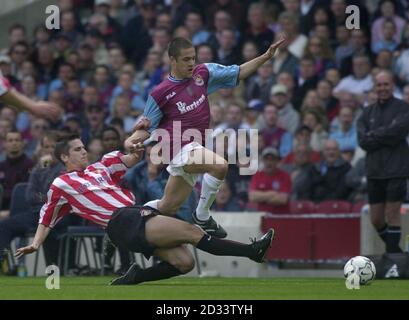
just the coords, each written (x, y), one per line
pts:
(377, 222)
(186, 264)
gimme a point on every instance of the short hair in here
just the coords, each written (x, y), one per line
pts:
(51, 135)
(17, 26)
(112, 129)
(178, 44)
(63, 146)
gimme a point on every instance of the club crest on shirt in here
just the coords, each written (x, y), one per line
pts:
(198, 80)
(276, 185)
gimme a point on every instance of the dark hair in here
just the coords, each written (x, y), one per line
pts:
(63, 145)
(14, 131)
(110, 128)
(17, 26)
(51, 135)
(176, 45)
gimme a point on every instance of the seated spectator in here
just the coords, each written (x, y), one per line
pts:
(252, 113)
(284, 60)
(73, 95)
(290, 23)
(95, 117)
(122, 110)
(194, 24)
(318, 125)
(259, 85)
(37, 130)
(331, 104)
(302, 136)
(328, 178)
(348, 100)
(322, 52)
(16, 168)
(257, 30)
(95, 149)
(388, 42)
(273, 135)
(270, 188)
(346, 134)
(101, 80)
(360, 82)
(299, 171)
(125, 86)
(288, 118)
(307, 80)
(225, 201)
(249, 51)
(226, 53)
(204, 54)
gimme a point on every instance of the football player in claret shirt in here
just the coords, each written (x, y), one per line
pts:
(180, 105)
(95, 192)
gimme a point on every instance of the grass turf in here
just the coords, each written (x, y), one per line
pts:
(185, 288)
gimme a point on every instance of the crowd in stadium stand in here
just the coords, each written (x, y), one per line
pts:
(109, 54)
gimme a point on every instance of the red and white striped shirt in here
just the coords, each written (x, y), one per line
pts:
(94, 193)
(4, 85)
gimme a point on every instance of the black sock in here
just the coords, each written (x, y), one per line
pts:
(160, 271)
(220, 247)
(382, 232)
(392, 240)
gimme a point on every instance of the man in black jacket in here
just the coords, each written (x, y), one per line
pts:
(382, 131)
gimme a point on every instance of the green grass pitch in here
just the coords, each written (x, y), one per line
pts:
(186, 288)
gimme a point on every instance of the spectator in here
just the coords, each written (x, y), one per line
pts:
(101, 80)
(274, 136)
(122, 110)
(307, 80)
(225, 201)
(360, 82)
(270, 188)
(38, 128)
(388, 13)
(346, 135)
(227, 52)
(324, 57)
(257, 30)
(317, 123)
(302, 137)
(252, 113)
(344, 48)
(249, 51)
(16, 168)
(388, 42)
(94, 123)
(300, 171)
(288, 118)
(328, 178)
(284, 60)
(195, 26)
(290, 26)
(204, 53)
(259, 86)
(331, 104)
(406, 93)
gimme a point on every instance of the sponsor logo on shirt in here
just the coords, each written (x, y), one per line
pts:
(84, 187)
(171, 95)
(183, 108)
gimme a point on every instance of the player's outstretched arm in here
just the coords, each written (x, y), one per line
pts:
(42, 109)
(249, 67)
(41, 234)
(134, 156)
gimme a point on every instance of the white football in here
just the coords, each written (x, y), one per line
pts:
(361, 266)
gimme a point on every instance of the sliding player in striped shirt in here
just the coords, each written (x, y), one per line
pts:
(95, 193)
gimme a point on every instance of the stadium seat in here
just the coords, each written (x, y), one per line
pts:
(81, 233)
(302, 206)
(19, 205)
(333, 206)
(357, 207)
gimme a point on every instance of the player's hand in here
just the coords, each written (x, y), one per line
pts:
(24, 250)
(48, 110)
(142, 124)
(273, 48)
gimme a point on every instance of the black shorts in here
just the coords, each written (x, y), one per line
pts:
(127, 229)
(386, 190)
